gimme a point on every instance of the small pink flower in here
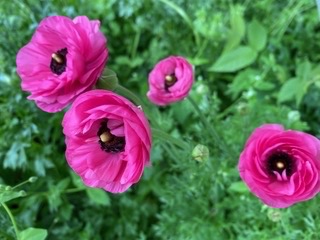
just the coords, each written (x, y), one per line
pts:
(170, 80)
(64, 58)
(108, 140)
(281, 167)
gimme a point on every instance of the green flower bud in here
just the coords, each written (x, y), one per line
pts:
(200, 153)
(108, 80)
(274, 215)
(22, 193)
(33, 179)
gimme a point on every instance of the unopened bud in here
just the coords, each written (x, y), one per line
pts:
(7, 188)
(274, 215)
(33, 179)
(200, 153)
(22, 193)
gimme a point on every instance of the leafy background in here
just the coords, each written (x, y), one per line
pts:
(255, 62)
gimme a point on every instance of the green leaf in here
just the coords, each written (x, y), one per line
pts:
(304, 71)
(238, 187)
(257, 35)
(293, 89)
(33, 234)
(16, 156)
(76, 180)
(7, 195)
(98, 196)
(180, 11)
(237, 30)
(54, 196)
(234, 60)
(264, 86)
(243, 81)
(288, 90)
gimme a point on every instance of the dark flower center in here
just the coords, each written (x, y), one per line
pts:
(280, 161)
(169, 81)
(59, 61)
(109, 142)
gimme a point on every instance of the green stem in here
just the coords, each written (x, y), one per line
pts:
(127, 93)
(213, 132)
(167, 137)
(74, 190)
(20, 184)
(15, 227)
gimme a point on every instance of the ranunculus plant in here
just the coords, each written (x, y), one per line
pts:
(281, 167)
(64, 58)
(108, 140)
(170, 80)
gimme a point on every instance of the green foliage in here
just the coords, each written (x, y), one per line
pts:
(33, 234)
(255, 62)
(234, 60)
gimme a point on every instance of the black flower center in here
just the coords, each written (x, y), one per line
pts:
(280, 161)
(59, 61)
(169, 81)
(109, 142)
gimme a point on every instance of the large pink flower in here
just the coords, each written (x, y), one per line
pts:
(281, 167)
(108, 140)
(170, 80)
(64, 58)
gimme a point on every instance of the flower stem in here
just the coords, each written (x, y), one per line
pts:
(15, 227)
(127, 93)
(213, 132)
(74, 190)
(167, 137)
(20, 184)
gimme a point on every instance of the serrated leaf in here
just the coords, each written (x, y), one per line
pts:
(98, 196)
(257, 35)
(16, 156)
(33, 234)
(54, 195)
(234, 60)
(238, 187)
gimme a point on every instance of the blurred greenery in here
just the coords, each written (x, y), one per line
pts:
(255, 62)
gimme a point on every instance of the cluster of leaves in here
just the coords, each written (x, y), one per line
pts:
(255, 62)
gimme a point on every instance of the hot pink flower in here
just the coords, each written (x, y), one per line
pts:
(170, 80)
(281, 167)
(108, 140)
(64, 58)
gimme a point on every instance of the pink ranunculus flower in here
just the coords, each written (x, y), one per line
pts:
(108, 140)
(281, 167)
(170, 81)
(64, 58)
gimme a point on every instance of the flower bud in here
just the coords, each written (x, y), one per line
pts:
(33, 179)
(200, 153)
(22, 193)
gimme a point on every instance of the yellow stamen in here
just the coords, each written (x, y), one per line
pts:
(57, 58)
(105, 137)
(280, 165)
(169, 78)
